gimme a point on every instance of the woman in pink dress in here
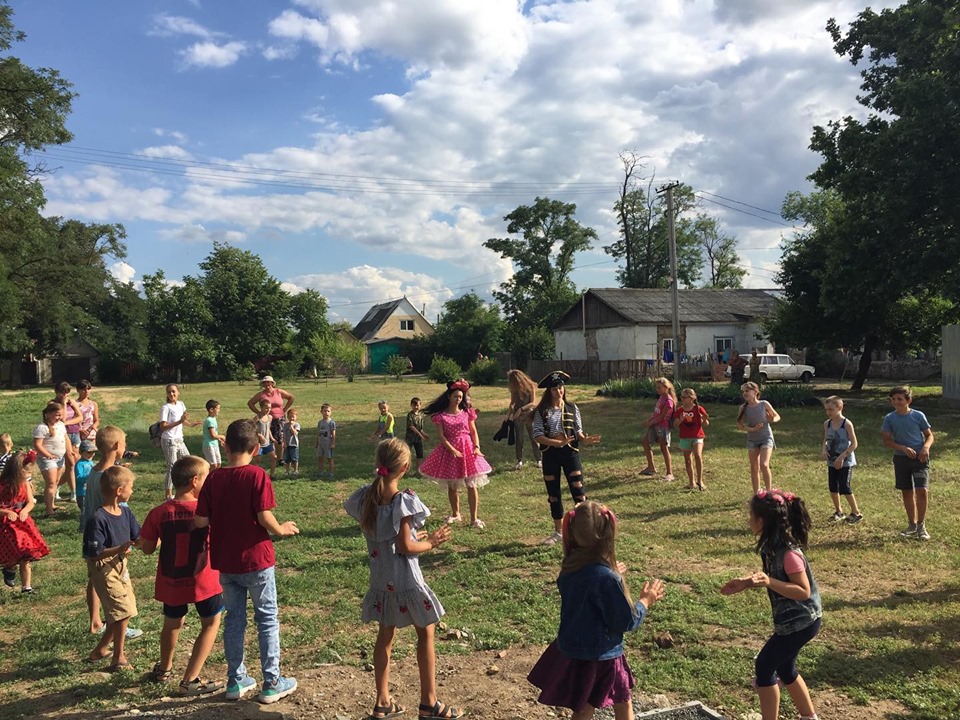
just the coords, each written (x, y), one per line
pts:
(457, 462)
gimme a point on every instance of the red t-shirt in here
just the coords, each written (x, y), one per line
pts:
(231, 498)
(690, 421)
(184, 574)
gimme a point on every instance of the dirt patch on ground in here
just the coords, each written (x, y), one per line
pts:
(488, 685)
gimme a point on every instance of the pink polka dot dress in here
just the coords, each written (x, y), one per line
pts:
(448, 470)
(19, 539)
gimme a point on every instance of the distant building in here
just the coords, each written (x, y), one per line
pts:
(384, 327)
(630, 323)
(77, 360)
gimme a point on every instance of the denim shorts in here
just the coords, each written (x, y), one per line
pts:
(50, 464)
(759, 444)
(656, 435)
(266, 449)
(74, 438)
(291, 454)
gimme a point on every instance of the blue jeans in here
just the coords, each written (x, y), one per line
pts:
(262, 587)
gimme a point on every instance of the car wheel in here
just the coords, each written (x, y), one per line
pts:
(763, 377)
(806, 377)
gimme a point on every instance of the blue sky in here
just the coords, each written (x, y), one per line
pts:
(367, 148)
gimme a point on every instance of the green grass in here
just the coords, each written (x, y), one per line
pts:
(891, 607)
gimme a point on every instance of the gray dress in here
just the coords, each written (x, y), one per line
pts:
(398, 595)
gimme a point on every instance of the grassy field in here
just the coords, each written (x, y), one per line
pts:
(891, 607)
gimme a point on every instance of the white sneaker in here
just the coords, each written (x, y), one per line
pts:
(540, 464)
(668, 477)
(518, 465)
(554, 538)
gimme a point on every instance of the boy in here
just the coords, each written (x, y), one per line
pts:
(236, 503)
(212, 439)
(107, 539)
(839, 444)
(291, 444)
(265, 436)
(326, 439)
(908, 434)
(184, 575)
(415, 435)
(384, 429)
(82, 470)
(111, 443)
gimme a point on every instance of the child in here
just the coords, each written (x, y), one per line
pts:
(6, 449)
(384, 429)
(326, 439)
(184, 576)
(82, 469)
(236, 503)
(557, 427)
(839, 443)
(20, 541)
(692, 418)
(658, 428)
(72, 420)
(212, 439)
(291, 444)
(456, 461)
(107, 539)
(754, 418)
(265, 436)
(584, 668)
(907, 432)
(415, 434)
(781, 524)
(391, 522)
(50, 442)
(173, 416)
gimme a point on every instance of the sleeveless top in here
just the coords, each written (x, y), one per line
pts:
(755, 415)
(276, 402)
(838, 440)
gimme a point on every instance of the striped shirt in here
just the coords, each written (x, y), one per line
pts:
(553, 424)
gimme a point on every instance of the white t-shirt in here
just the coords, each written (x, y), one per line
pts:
(55, 443)
(171, 413)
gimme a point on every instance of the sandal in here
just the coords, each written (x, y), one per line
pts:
(386, 711)
(479, 524)
(158, 674)
(120, 667)
(647, 472)
(439, 711)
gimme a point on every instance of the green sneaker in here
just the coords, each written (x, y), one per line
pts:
(236, 690)
(277, 690)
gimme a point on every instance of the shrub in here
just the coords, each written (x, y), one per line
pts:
(779, 395)
(484, 372)
(443, 369)
(397, 365)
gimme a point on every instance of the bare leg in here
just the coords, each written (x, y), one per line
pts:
(473, 498)
(93, 606)
(426, 664)
(50, 480)
(920, 494)
(26, 573)
(909, 506)
(584, 713)
(853, 504)
(454, 498)
(623, 711)
(202, 647)
(688, 461)
(119, 638)
(381, 662)
(648, 451)
(836, 501)
(764, 460)
(667, 459)
(698, 461)
(168, 641)
(755, 468)
(769, 702)
(801, 697)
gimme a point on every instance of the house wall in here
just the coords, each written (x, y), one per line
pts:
(644, 341)
(391, 326)
(700, 338)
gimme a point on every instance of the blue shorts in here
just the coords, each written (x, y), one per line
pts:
(291, 454)
(760, 444)
(205, 608)
(50, 464)
(267, 449)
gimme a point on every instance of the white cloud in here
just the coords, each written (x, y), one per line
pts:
(122, 272)
(209, 54)
(178, 137)
(199, 234)
(172, 152)
(172, 25)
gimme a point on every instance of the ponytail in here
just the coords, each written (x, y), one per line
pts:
(799, 520)
(392, 458)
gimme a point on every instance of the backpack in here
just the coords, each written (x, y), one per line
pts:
(155, 431)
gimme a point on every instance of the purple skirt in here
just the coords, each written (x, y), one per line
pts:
(570, 683)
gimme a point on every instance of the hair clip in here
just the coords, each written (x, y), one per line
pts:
(383, 471)
(608, 514)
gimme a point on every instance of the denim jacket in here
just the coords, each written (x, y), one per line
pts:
(594, 614)
(789, 616)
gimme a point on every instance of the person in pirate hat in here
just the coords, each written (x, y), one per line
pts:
(558, 430)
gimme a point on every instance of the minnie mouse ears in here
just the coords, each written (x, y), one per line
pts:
(554, 379)
(462, 385)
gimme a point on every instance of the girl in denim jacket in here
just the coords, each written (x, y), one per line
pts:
(781, 523)
(584, 668)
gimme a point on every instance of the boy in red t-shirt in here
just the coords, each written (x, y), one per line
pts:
(184, 575)
(237, 504)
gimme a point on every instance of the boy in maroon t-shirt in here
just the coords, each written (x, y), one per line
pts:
(184, 575)
(237, 504)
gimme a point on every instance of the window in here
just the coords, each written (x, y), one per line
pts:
(722, 343)
(406, 325)
(668, 344)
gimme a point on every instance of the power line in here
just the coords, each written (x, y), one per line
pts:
(738, 202)
(759, 217)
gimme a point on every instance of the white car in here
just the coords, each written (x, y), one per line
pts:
(779, 367)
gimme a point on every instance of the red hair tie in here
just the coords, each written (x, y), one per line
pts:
(30, 456)
(460, 385)
(383, 471)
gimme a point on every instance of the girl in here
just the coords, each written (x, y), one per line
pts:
(50, 442)
(754, 418)
(457, 461)
(523, 399)
(556, 426)
(173, 418)
(72, 419)
(398, 596)
(781, 523)
(692, 418)
(839, 444)
(584, 668)
(658, 428)
(20, 541)
(89, 411)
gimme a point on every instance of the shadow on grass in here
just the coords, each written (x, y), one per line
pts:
(949, 594)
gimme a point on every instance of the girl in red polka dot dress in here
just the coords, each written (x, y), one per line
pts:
(20, 541)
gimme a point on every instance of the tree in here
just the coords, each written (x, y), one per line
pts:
(720, 254)
(308, 316)
(121, 335)
(883, 227)
(178, 322)
(467, 326)
(543, 258)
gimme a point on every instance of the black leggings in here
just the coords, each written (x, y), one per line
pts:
(564, 459)
(778, 658)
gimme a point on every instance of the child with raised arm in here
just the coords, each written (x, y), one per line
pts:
(781, 524)
(107, 539)
(326, 439)
(236, 503)
(907, 432)
(657, 428)
(184, 576)
(839, 443)
(391, 522)
(584, 668)
(212, 439)
(754, 418)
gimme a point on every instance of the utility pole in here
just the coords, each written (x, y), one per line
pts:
(668, 189)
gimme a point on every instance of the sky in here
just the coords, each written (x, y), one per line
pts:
(367, 148)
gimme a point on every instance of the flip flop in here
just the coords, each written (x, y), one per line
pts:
(648, 473)
(96, 661)
(120, 667)
(387, 711)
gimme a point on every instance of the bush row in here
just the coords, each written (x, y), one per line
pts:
(780, 395)
(482, 372)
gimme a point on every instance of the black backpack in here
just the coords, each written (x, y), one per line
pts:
(155, 432)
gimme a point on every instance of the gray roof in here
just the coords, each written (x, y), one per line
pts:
(649, 307)
(375, 317)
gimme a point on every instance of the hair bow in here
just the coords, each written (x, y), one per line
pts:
(774, 495)
(30, 456)
(460, 385)
(383, 471)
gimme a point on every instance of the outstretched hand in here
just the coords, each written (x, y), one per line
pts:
(653, 591)
(440, 536)
(590, 440)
